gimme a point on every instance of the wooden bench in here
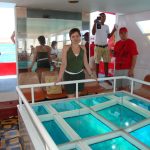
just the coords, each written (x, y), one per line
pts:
(41, 93)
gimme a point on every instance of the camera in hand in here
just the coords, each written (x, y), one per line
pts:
(98, 23)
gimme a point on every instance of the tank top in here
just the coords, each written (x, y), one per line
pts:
(75, 63)
(42, 60)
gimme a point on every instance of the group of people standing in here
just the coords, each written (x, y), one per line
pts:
(125, 51)
(74, 56)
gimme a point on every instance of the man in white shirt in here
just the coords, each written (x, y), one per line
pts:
(54, 50)
(101, 32)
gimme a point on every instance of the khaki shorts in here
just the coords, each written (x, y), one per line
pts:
(100, 52)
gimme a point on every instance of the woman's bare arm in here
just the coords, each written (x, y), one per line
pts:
(64, 63)
(86, 62)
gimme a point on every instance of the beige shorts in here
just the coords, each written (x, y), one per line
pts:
(100, 52)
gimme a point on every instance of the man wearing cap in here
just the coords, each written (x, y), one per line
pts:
(125, 52)
(101, 32)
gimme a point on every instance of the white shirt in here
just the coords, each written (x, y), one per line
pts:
(54, 51)
(101, 35)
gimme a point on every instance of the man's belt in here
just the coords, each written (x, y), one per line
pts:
(102, 46)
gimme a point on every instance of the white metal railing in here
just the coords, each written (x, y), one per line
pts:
(32, 86)
(136, 80)
(49, 143)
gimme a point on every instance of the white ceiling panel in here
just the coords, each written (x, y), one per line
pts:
(117, 6)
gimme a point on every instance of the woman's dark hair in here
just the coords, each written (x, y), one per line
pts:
(41, 40)
(53, 43)
(72, 31)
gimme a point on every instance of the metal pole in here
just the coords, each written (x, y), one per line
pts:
(114, 89)
(32, 94)
(132, 82)
(77, 93)
(20, 102)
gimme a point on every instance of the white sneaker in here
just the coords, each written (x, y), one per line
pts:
(106, 85)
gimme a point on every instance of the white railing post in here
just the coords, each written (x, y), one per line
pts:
(114, 88)
(32, 94)
(132, 84)
(46, 147)
(77, 92)
(20, 102)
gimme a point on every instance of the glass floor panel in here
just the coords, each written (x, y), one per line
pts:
(143, 135)
(118, 143)
(91, 101)
(87, 125)
(66, 106)
(55, 132)
(39, 110)
(121, 116)
(141, 103)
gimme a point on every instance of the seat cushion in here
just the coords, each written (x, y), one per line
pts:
(56, 89)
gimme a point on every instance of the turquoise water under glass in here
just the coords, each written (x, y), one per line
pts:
(55, 132)
(66, 106)
(87, 125)
(91, 101)
(143, 135)
(120, 94)
(141, 103)
(121, 116)
(39, 110)
(118, 143)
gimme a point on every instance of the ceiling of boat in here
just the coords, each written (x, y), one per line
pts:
(117, 6)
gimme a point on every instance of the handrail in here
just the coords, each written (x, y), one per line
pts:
(48, 140)
(137, 80)
(70, 82)
(83, 81)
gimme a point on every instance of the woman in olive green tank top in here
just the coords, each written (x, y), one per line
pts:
(74, 59)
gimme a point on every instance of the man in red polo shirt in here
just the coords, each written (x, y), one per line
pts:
(125, 52)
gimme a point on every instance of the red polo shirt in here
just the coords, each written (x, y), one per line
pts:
(124, 51)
